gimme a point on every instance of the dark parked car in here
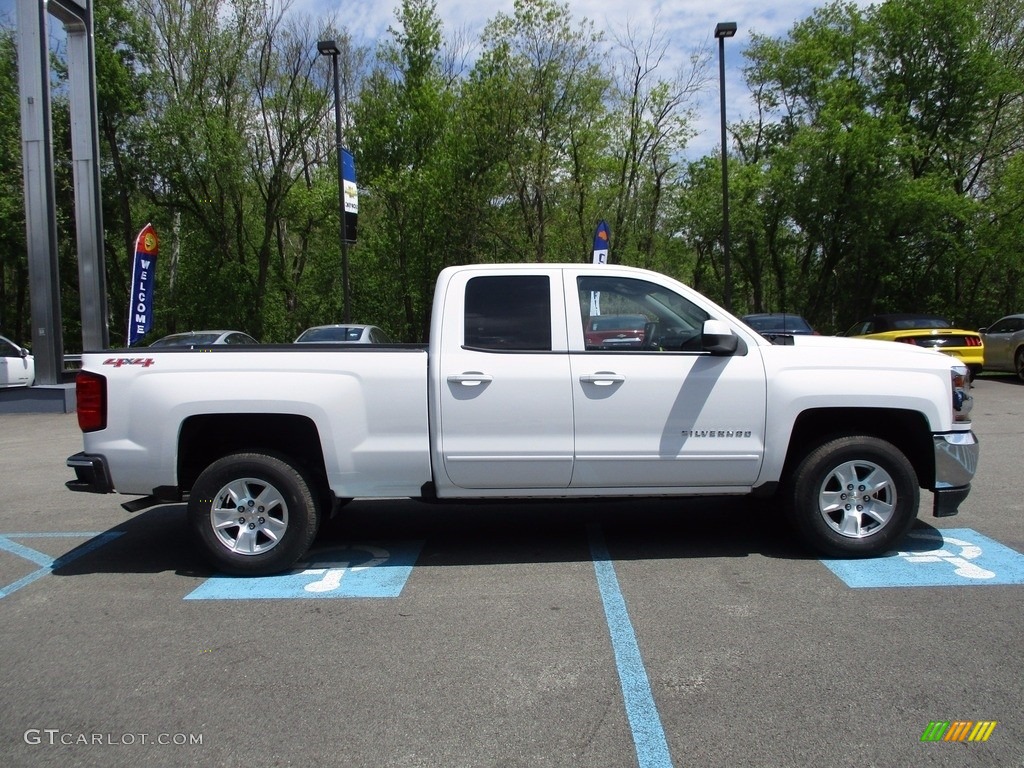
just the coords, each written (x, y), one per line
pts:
(1004, 345)
(615, 331)
(774, 324)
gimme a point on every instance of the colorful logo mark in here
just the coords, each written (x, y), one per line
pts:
(958, 730)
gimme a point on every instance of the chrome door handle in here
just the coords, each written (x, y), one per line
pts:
(602, 378)
(469, 379)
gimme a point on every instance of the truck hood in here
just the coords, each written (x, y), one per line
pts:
(877, 349)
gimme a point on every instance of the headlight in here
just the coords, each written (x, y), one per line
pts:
(962, 400)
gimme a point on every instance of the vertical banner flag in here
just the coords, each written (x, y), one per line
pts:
(600, 257)
(351, 191)
(601, 243)
(140, 302)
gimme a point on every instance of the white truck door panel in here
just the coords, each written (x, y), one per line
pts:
(662, 419)
(651, 410)
(503, 384)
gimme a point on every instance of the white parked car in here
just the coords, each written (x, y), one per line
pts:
(1004, 345)
(346, 333)
(17, 366)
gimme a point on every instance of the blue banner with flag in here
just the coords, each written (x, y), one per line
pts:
(140, 302)
(351, 194)
(601, 237)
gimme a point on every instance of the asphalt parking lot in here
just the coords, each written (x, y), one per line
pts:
(611, 634)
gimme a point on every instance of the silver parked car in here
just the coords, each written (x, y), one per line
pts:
(346, 333)
(17, 366)
(1004, 345)
(193, 339)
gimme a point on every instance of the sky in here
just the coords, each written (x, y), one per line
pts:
(688, 24)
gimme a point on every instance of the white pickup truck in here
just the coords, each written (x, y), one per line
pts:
(517, 396)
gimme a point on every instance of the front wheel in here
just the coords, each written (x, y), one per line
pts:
(853, 497)
(253, 514)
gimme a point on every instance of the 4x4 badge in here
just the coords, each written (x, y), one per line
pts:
(117, 362)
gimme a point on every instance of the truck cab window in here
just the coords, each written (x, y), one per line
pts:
(630, 315)
(508, 313)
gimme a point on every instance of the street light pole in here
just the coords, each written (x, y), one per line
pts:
(330, 48)
(723, 30)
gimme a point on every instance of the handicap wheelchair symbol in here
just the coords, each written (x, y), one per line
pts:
(348, 570)
(930, 557)
(334, 564)
(959, 559)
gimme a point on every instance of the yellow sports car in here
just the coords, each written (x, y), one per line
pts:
(925, 331)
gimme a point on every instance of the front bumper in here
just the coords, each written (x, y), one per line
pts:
(956, 460)
(91, 474)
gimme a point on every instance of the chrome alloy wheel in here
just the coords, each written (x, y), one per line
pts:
(857, 498)
(249, 516)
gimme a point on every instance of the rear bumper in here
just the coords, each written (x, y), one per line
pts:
(956, 460)
(91, 474)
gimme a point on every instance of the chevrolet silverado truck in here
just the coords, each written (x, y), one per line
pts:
(510, 400)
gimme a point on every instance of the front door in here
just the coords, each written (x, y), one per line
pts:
(660, 413)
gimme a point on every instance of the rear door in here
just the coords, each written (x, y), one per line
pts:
(503, 387)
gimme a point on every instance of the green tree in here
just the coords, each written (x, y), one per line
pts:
(546, 93)
(14, 307)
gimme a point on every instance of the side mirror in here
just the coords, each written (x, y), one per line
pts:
(718, 338)
(24, 352)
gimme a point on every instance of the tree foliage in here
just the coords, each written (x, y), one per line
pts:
(879, 169)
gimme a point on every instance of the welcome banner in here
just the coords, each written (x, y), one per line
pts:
(140, 302)
(601, 236)
(351, 195)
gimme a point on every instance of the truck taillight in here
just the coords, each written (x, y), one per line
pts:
(91, 393)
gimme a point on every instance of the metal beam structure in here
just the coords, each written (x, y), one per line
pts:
(40, 197)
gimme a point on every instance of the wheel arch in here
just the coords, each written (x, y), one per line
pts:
(907, 430)
(205, 438)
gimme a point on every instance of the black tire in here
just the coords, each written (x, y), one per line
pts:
(253, 514)
(1018, 363)
(853, 496)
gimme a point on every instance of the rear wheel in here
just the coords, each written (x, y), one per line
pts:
(853, 496)
(1018, 363)
(253, 514)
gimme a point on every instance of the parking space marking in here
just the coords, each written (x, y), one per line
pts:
(642, 712)
(354, 570)
(936, 558)
(46, 563)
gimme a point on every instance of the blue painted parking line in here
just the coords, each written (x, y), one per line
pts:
(936, 558)
(46, 563)
(644, 721)
(353, 570)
